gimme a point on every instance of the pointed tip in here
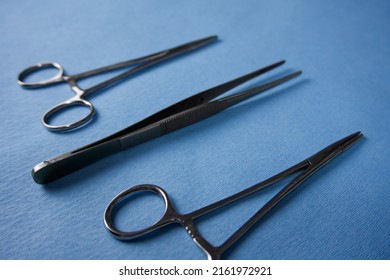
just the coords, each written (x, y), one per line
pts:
(295, 74)
(354, 135)
(288, 77)
(270, 67)
(201, 42)
(334, 149)
(210, 38)
(280, 62)
(350, 140)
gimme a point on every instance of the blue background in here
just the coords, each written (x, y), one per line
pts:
(342, 212)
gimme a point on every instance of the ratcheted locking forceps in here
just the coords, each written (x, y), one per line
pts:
(176, 116)
(80, 94)
(307, 168)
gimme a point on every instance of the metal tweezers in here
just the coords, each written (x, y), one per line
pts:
(176, 116)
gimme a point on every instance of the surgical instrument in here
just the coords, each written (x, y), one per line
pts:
(176, 116)
(80, 94)
(170, 215)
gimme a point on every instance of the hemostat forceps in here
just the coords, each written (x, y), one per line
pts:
(176, 116)
(80, 94)
(307, 166)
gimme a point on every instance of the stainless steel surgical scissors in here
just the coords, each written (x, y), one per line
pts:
(176, 116)
(80, 94)
(307, 168)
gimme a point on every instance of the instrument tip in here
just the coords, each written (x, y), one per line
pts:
(351, 139)
(298, 72)
(211, 38)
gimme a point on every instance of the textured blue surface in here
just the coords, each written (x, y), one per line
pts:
(342, 212)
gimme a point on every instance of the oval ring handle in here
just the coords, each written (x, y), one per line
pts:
(74, 101)
(167, 217)
(37, 67)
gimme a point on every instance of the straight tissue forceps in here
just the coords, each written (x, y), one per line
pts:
(176, 116)
(80, 94)
(307, 166)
